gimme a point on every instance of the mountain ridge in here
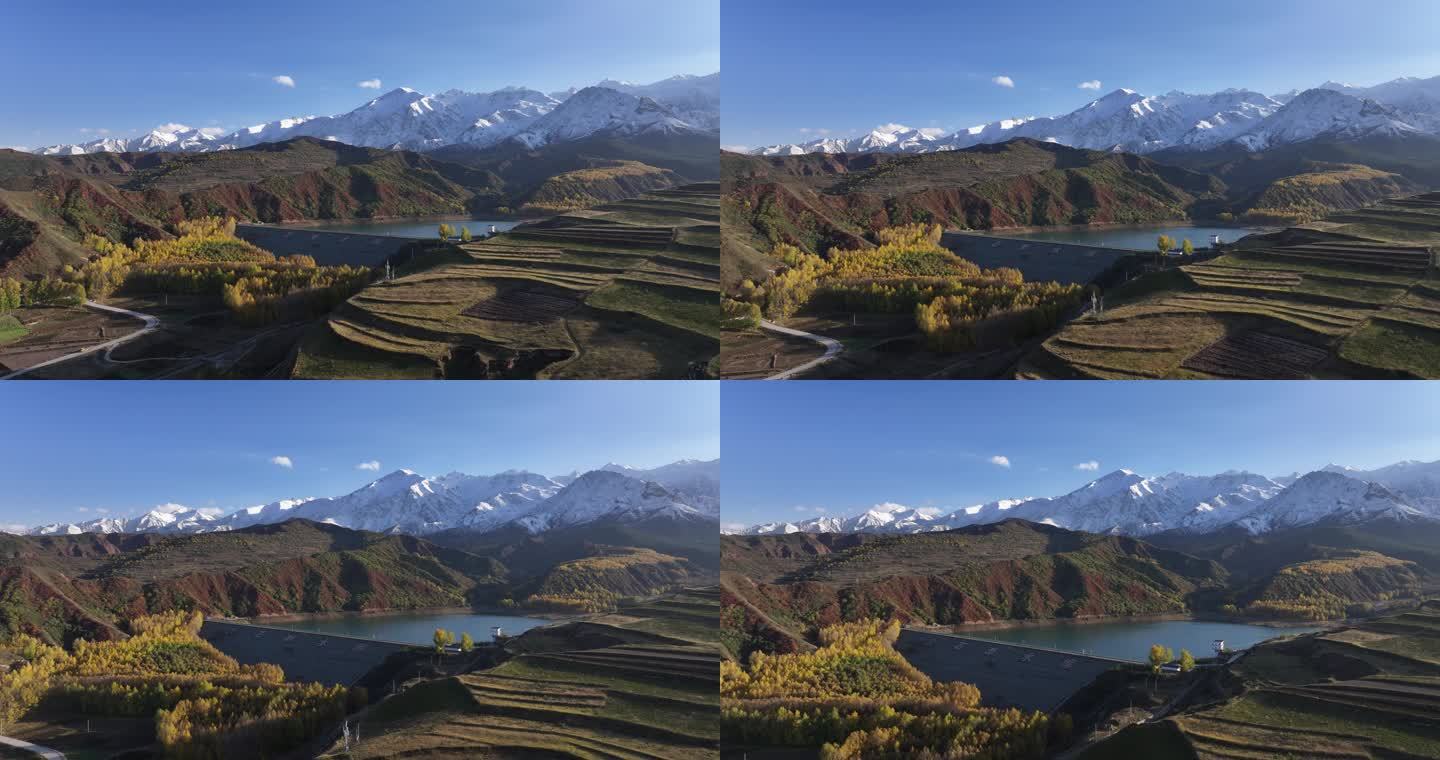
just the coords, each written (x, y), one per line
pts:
(403, 118)
(1125, 120)
(1125, 503)
(405, 502)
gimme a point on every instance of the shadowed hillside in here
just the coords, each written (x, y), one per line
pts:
(781, 589)
(65, 587)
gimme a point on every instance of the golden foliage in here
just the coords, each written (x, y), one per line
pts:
(857, 697)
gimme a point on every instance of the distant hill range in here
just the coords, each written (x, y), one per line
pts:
(783, 588)
(48, 204)
(1126, 503)
(1125, 120)
(403, 119)
(824, 201)
(821, 201)
(779, 589)
(518, 502)
(83, 586)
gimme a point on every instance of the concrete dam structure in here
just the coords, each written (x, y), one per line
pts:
(1008, 675)
(328, 248)
(1038, 260)
(308, 657)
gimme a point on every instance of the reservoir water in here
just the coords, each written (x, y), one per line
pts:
(414, 628)
(1130, 640)
(409, 228)
(1133, 237)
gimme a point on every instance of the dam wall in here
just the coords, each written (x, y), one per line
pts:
(307, 657)
(1038, 260)
(1008, 675)
(328, 248)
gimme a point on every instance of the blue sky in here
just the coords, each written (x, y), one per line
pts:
(795, 68)
(69, 450)
(792, 449)
(128, 67)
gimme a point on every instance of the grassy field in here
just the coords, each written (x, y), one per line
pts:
(11, 329)
(1350, 296)
(613, 690)
(626, 290)
(1369, 691)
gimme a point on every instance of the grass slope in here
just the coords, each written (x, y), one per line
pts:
(1367, 691)
(628, 289)
(1352, 295)
(618, 687)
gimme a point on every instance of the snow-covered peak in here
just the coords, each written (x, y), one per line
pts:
(406, 118)
(1124, 502)
(405, 501)
(1329, 496)
(1124, 119)
(1323, 112)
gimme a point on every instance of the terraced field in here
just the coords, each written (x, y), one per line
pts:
(625, 290)
(1315, 301)
(591, 690)
(1371, 691)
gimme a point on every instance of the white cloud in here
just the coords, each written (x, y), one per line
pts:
(170, 508)
(212, 131)
(731, 527)
(173, 126)
(15, 528)
(802, 509)
(736, 148)
(814, 131)
(1093, 84)
(94, 130)
(283, 462)
(284, 80)
(891, 127)
(82, 509)
(369, 84)
(102, 510)
(1089, 466)
(211, 511)
(932, 131)
(1002, 461)
(1004, 81)
(373, 465)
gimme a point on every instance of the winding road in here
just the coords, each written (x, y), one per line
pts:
(151, 322)
(45, 752)
(832, 349)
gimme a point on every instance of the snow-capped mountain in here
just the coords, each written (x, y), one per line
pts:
(1125, 120)
(1321, 496)
(167, 518)
(881, 518)
(1318, 112)
(695, 99)
(406, 119)
(697, 481)
(596, 110)
(406, 502)
(1418, 480)
(602, 494)
(1124, 502)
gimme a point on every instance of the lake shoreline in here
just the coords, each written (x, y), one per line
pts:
(293, 617)
(1159, 617)
(1103, 226)
(307, 224)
